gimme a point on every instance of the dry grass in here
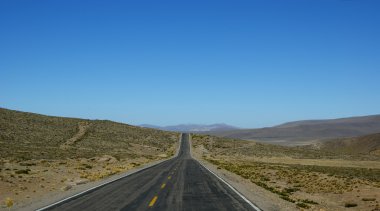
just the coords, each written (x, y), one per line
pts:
(42, 154)
(308, 186)
(235, 147)
(25, 136)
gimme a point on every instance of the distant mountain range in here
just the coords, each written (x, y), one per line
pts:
(193, 127)
(309, 130)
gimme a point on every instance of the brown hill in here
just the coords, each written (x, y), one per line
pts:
(369, 144)
(309, 130)
(32, 136)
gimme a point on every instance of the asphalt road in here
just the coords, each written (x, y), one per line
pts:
(177, 184)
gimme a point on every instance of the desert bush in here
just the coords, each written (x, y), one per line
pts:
(286, 197)
(368, 199)
(309, 201)
(22, 171)
(350, 204)
(9, 202)
(87, 166)
(291, 190)
(303, 205)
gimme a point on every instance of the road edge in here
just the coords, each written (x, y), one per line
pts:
(126, 174)
(253, 205)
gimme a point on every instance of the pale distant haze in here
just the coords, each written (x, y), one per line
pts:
(244, 63)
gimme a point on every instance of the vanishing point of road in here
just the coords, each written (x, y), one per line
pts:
(180, 183)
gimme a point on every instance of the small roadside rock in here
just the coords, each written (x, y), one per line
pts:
(66, 187)
(107, 158)
(81, 181)
(162, 155)
(83, 160)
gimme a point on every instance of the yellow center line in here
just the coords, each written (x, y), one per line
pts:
(163, 186)
(153, 201)
(169, 177)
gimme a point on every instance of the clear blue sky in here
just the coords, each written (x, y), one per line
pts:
(248, 63)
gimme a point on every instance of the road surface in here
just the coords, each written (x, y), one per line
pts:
(177, 184)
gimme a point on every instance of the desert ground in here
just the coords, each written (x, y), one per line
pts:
(308, 178)
(42, 156)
